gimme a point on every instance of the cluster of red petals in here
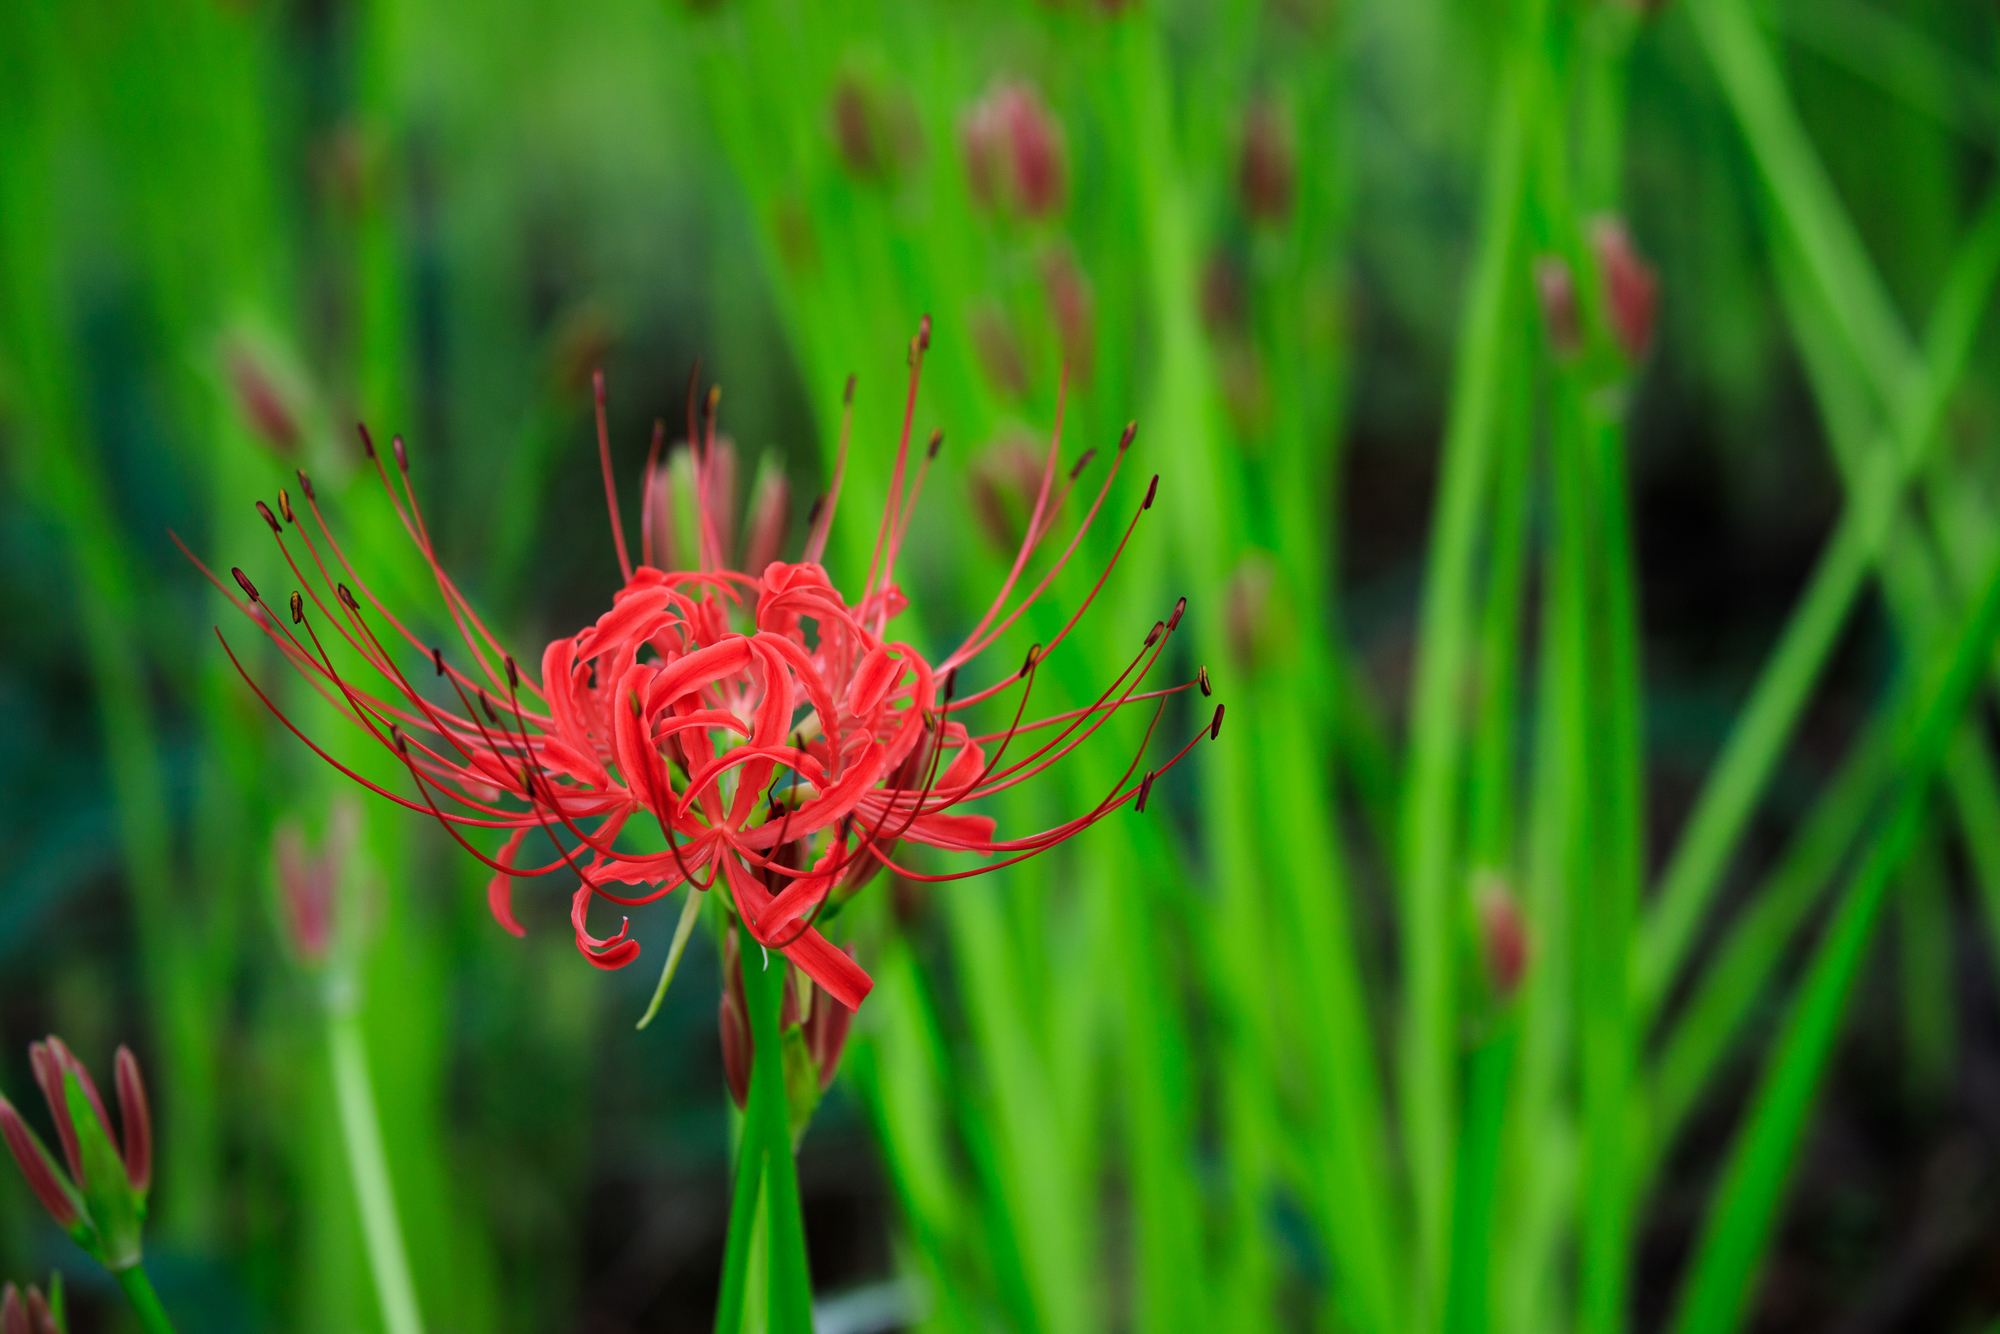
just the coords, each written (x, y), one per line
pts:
(780, 739)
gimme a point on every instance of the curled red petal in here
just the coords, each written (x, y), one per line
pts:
(135, 1119)
(500, 889)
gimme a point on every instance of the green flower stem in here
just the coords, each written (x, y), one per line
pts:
(145, 1302)
(767, 1181)
(368, 1166)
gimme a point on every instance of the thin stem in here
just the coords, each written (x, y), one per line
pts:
(368, 1167)
(145, 1302)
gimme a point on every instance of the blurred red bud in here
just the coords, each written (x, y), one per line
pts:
(1267, 171)
(1503, 934)
(13, 1316)
(1074, 310)
(770, 517)
(259, 400)
(135, 1119)
(1631, 289)
(1555, 293)
(41, 1320)
(826, 1032)
(1014, 155)
(999, 352)
(305, 889)
(37, 1166)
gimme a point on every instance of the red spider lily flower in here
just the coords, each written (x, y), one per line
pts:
(783, 740)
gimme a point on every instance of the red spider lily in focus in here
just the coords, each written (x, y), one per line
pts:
(784, 741)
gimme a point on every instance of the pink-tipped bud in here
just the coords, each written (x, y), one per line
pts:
(36, 1166)
(41, 1320)
(1249, 618)
(13, 1316)
(736, 1053)
(1631, 289)
(1074, 311)
(264, 406)
(1267, 171)
(1555, 293)
(999, 351)
(770, 517)
(135, 1120)
(1014, 155)
(48, 1070)
(305, 885)
(1503, 934)
(67, 1061)
(826, 1032)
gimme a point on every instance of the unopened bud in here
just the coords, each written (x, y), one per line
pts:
(1074, 310)
(1503, 935)
(1631, 290)
(770, 516)
(999, 351)
(1014, 155)
(261, 401)
(135, 1119)
(1555, 293)
(826, 1029)
(1267, 172)
(38, 1167)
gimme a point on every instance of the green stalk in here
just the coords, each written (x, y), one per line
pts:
(145, 1302)
(1744, 1209)
(368, 1168)
(765, 1207)
(1430, 916)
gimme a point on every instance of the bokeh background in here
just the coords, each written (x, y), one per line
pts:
(1264, 1058)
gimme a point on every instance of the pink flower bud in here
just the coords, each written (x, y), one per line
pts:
(261, 402)
(13, 1316)
(826, 1032)
(1267, 171)
(1555, 293)
(999, 352)
(48, 1068)
(1503, 935)
(41, 1320)
(1074, 311)
(135, 1120)
(305, 887)
(1014, 155)
(36, 1166)
(770, 516)
(1630, 288)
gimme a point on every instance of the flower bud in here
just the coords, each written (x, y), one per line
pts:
(45, 1317)
(1074, 311)
(1631, 290)
(103, 1200)
(1014, 155)
(1004, 481)
(1267, 170)
(1555, 293)
(13, 1315)
(305, 890)
(826, 1032)
(770, 516)
(999, 351)
(36, 1164)
(264, 405)
(136, 1118)
(1503, 934)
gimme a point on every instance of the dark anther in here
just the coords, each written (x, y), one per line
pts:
(1029, 664)
(243, 582)
(513, 673)
(367, 440)
(1206, 690)
(298, 609)
(437, 659)
(1076, 470)
(1153, 635)
(937, 443)
(812, 518)
(285, 505)
(1152, 489)
(1174, 621)
(1215, 728)
(924, 334)
(347, 598)
(1145, 787)
(847, 394)
(396, 735)
(1125, 440)
(487, 705)
(306, 485)
(402, 455)
(714, 401)
(951, 683)
(269, 518)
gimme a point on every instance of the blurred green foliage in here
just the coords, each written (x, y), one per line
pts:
(1598, 674)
